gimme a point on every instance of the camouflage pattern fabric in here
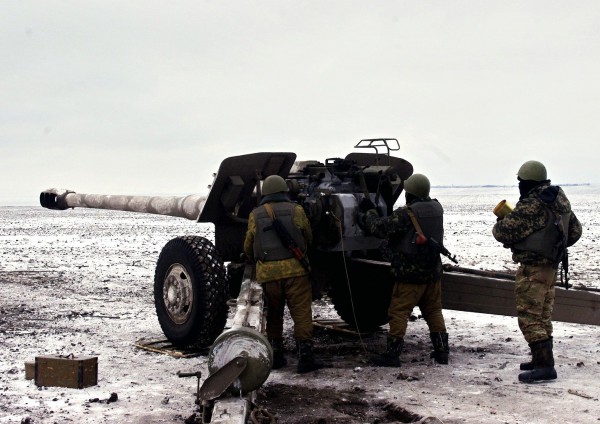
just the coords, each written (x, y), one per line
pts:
(409, 269)
(297, 292)
(417, 282)
(534, 292)
(286, 268)
(536, 276)
(529, 216)
(406, 296)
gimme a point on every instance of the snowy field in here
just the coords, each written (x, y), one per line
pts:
(80, 281)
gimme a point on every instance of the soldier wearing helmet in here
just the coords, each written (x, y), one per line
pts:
(283, 276)
(415, 264)
(538, 231)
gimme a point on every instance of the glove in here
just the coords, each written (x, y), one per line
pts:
(365, 205)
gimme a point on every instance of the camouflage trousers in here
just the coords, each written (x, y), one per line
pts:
(428, 297)
(534, 295)
(297, 293)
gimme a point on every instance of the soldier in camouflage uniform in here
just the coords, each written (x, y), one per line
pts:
(416, 266)
(538, 231)
(283, 277)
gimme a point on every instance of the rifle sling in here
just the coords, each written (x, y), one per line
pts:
(271, 213)
(416, 224)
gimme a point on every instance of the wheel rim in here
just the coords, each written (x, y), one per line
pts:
(178, 295)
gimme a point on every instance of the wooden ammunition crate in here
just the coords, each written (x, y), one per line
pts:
(71, 371)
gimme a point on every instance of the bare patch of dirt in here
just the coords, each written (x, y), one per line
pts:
(328, 405)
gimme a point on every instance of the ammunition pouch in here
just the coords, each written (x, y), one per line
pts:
(549, 242)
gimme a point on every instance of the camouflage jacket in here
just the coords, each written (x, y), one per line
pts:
(412, 269)
(529, 216)
(285, 268)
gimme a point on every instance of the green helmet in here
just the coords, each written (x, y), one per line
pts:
(417, 185)
(532, 170)
(274, 184)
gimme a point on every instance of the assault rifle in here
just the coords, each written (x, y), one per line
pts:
(422, 239)
(564, 254)
(288, 241)
(564, 270)
(441, 249)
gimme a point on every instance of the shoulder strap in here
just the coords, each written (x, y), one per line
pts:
(413, 218)
(270, 210)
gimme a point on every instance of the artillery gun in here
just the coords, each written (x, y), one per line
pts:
(194, 278)
(192, 283)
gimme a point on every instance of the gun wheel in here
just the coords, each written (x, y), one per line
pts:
(190, 292)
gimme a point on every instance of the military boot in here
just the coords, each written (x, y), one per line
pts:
(543, 363)
(391, 357)
(440, 347)
(528, 366)
(279, 360)
(306, 359)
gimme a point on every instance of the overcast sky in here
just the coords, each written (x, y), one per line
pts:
(147, 97)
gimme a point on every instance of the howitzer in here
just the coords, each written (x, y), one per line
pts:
(195, 276)
(442, 250)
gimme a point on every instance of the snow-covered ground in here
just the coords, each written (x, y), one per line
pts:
(80, 282)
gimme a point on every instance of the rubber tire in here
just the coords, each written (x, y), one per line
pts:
(371, 288)
(208, 312)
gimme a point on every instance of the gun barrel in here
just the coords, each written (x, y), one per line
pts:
(179, 206)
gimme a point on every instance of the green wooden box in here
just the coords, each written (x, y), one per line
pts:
(70, 371)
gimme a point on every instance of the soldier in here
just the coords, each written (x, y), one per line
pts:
(415, 265)
(283, 276)
(538, 231)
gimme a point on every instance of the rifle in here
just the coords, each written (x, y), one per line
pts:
(440, 248)
(422, 239)
(286, 238)
(288, 241)
(564, 270)
(564, 256)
